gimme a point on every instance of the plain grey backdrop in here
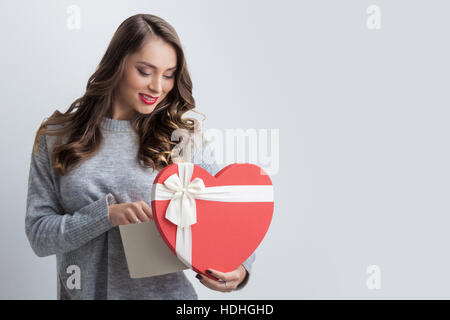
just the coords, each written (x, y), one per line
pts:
(362, 113)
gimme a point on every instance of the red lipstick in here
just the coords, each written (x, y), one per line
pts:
(148, 99)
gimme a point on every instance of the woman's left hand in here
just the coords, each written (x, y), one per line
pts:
(227, 281)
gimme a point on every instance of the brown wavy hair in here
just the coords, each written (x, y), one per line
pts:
(80, 124)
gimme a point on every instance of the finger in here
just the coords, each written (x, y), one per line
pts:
(123, 221)
(230, 285)
(214, 285)
(228, 276)
(220, 284)
(148, 211)
(139, 211)
(131, 216)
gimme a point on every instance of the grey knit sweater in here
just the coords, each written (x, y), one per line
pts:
(68, 216)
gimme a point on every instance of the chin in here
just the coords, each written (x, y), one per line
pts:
(145, 110)
(142, 108)
(141, 111)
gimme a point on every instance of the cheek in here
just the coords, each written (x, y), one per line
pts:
(169, 86)
(133, 81)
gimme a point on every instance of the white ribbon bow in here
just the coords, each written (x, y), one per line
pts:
(182, 210)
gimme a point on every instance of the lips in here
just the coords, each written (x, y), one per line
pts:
(147, 99)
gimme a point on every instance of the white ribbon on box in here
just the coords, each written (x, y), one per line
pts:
(182, 211)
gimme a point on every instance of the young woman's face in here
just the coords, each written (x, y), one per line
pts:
(148, 76)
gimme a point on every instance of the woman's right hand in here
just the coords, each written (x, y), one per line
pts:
(129, 212)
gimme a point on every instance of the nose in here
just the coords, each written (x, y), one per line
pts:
(155, 86)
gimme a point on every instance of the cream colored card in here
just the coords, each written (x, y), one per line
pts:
(146, 252)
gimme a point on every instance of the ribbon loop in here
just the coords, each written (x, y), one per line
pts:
(182, 209)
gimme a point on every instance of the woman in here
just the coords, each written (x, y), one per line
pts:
(93, 167)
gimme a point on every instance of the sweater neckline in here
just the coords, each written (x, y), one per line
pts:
(116, 125)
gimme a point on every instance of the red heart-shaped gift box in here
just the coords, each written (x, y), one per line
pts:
(226, 233)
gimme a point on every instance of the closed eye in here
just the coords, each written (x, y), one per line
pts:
(143, 73)
(148, 74)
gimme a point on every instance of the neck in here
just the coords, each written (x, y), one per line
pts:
(119, 112)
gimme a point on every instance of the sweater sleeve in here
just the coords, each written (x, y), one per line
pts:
(205, 159)
(50, 230)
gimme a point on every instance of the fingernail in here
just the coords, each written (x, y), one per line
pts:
(208, 272)
(198, 276)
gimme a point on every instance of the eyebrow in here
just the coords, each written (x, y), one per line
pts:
(154, 67)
